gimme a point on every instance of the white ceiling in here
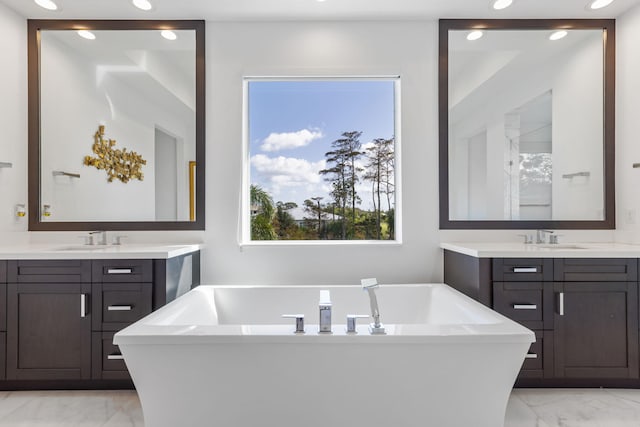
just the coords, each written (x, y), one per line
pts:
(266, 10)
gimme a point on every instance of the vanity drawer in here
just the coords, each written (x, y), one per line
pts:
(122, 270)
(595, 270)
(107, 363)
(117, 305)
(49, 271)
(522, 269)
(523, 302)
(3, 271)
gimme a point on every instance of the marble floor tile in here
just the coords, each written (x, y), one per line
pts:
(581, 408)
(519, 414)
(71, 409)
(526, 408)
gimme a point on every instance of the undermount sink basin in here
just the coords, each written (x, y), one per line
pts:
(561, 246)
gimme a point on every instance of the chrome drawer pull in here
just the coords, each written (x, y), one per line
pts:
(525, 269)
(119, 271)
(561, 303)
(525, 307)
(83, 305)
(531, 356)
(115, 357)
(119, 308)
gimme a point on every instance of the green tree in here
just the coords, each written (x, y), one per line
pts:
(379, 170)
(314, 215)
(343, 174)
(262, 212)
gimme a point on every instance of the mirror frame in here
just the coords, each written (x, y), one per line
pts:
(608, 28)
(34, 173)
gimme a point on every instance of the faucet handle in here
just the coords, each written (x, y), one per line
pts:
(299, 321)
(528, 238)
(117, 240)
(351, 322)
(88, 239)
(553, 239)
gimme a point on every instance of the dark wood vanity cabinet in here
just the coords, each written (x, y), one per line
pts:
(58, 317)
(584, 313)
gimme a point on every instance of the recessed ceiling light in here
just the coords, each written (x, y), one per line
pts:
(142, 4)
(558, 35)
(168, 34)
(474, 35)
(501, 4)
(47, 4)
(86, 34)
(599, 4)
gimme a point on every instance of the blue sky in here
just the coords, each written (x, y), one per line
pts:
(292, 124)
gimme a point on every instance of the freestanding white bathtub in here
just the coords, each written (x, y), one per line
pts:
(222, 356)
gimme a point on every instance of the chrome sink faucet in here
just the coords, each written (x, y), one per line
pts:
(541, 236)
(101, 235)
(370, 286)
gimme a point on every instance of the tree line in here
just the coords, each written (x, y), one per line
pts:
(339, 217)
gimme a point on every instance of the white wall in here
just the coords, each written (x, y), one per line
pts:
(628, 127)
(407, 49)
(13, 118)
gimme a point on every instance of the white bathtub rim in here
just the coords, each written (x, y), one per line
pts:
(144, 332)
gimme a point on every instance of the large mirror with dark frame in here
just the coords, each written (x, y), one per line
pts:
(116, 125)
(526, 116)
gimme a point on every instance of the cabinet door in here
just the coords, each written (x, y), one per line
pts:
(49, 331)
(596, 330)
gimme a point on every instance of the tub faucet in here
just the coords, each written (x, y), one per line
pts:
(325, 312)
(370, 286)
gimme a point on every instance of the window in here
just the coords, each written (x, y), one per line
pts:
(322, 159)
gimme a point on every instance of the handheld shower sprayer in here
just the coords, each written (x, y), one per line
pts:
(370, 286)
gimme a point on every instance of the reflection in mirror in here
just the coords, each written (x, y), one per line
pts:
(526, 127)
(120, 125)
(141, 88)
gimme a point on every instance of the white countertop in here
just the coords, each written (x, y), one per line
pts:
(70, 251)
(562, 250)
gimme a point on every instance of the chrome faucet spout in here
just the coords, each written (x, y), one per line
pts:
(370, 286)
(375, 311)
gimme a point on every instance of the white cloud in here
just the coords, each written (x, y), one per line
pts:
(288, 140)
(289, 178)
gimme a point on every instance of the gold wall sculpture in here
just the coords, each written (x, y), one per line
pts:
(119, 164)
